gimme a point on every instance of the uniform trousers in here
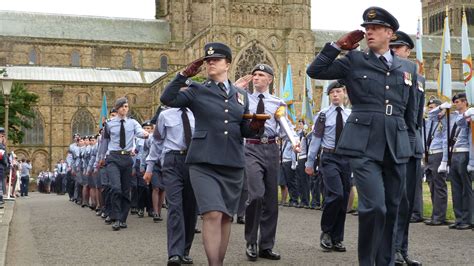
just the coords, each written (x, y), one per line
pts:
(182, 207)
(290, 177)
(317, 187)
(438, 187)
(139, 189)
(261, 170)
(461, 185)
(70, 184)
(417, 213)
(379, 185)
(336, 174)
(59, 183)
(25, 180)
(119, 172)
(302, 182)
(105, 184)
(413, 175)
(243, 198)
(2, 181)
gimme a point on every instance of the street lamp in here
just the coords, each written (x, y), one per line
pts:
(7, 89)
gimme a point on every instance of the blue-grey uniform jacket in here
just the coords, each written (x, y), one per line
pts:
(383, 102)
(419, 110)
(220, 128)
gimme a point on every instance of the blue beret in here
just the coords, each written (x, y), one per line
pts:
(263, 67)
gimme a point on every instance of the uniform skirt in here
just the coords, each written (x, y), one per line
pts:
(216, 187)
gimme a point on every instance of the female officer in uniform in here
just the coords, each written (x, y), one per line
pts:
(216, 153)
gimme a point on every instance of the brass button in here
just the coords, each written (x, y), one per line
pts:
(225, 132)
(388, 73)
(226, 101)
(365, 77)
(226, 121)
(387, 87)
(226, 110)
(387, 101)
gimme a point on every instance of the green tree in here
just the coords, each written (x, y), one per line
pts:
(20, 111)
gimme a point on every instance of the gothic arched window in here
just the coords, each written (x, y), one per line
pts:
(75, 59)
(83, 123)
(33, 57)
(35, 134)
(164, 63)
(252, 55)
(128, 61)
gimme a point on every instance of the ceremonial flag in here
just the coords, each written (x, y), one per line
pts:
(280, 91)
(419, 51)
(444, 77)
(307, 105)
(103, 111)
(324, 96)
(466, 60)
(287, 95)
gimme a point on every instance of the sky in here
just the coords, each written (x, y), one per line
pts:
(343, 15)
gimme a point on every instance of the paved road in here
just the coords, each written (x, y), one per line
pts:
(48, 229)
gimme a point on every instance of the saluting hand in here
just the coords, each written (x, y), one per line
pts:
(243, 82)
(192, 69)
(350, 41)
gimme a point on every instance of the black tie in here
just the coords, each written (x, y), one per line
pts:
(222, 86)
(122, 134)
(384, 61)
(186, 127)
(260, 105)
(339, 123)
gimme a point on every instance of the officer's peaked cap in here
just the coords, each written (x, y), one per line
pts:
(401, 38)
(379, 16)
(217, 50)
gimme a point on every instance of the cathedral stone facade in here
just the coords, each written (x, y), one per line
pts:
(71, 61)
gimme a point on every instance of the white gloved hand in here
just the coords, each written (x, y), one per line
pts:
(443, 167)
(470, 168)
(469, 112)
(445, 105)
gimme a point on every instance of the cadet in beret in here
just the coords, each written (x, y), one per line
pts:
(335, 169)
(117, 143)
(381, 87)
(261, 169)
(216, 154)
(401, 44)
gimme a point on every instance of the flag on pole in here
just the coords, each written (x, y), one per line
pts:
(466, 60)
(307, 106)
(444, 77)
(324, 96)
(287, 95)
(103, 111)
(419, 51)
(282, 87)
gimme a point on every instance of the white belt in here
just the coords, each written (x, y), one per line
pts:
(435, 151)
(302, 157)
(285, 161)
(461, 150)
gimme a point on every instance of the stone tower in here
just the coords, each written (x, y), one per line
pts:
(434, 12)
(276, 32)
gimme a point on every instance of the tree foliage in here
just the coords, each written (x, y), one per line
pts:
(20, 111)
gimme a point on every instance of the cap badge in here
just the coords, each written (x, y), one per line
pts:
(210, 51)
(372, 14)
(262, 67)
(394, 37)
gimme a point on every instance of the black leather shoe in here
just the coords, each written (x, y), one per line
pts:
(326, 242)
(292, 204)
(339, 247)
(434, 223)
(133, 211)
(251, 252)
(453, 226)
(306, 207)
(108, 220)
(116, 226)
(123, 225)
(240, 220)
(269, 254)
(418, 220)
(463, 226)
(399, 260)
(140, 213)
(187, 260)
(157, 218)
(411, 262)
(174, 261)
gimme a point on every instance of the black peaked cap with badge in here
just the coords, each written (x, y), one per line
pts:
(264, 68)
(147, 123)
(379, 16)
(217, 50)
(401, 38)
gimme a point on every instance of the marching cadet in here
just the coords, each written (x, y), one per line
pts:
(261, 169)
(117, 143)
(70, 185)
(335, 169)
(104, 179)
(381, 87)
(85, 155)
(78, 172)
(288, 175)
(61, 167)
(302, 179)
(436, 135)
(93, 176)
(141, 187)
(461, 182)
(401, 44)
(216, 154)
(173, 135)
